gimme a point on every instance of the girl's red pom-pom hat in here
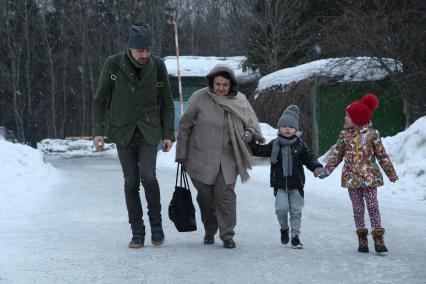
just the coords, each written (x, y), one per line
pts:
(361, 111)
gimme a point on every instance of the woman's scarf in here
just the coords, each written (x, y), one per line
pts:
(240, 116)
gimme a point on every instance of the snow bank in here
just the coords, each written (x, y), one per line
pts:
(71, 147)
(350, 69)
(268, 132)
(24, 173)
(408, 153)
(21, 164)
(200, 66)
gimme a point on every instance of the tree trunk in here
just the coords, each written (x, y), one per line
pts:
(15, 63)
(28, 81)
(83, 110)
(63, 117)
(49, 54)
(17, 107)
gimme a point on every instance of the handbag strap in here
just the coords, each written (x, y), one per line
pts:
(177, 175)
(182, 178)
(185, 178)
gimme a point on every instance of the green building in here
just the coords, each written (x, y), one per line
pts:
(322, 89)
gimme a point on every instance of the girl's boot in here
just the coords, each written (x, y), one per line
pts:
(362, 240)
(379, 243)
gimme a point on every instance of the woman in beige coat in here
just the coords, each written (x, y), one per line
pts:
(210, 144)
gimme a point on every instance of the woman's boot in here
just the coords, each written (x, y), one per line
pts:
(362, 240)
(379, 243)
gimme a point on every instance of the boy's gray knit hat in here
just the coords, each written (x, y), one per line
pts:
(290, 117)
(140, 36)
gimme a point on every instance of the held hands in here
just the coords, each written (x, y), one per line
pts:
(247, 136)
(250, 135)
(99, 143)
(320, 173)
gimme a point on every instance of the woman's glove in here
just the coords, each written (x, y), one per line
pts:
(250, 135)
(247, 136)
(180, 160)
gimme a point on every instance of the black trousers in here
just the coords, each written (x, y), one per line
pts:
(138, 161)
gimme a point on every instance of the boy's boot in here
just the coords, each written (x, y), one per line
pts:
(157, 234)
(284, 236)
(362, 240)
(295, 242)
(379, 243)
(138, 238)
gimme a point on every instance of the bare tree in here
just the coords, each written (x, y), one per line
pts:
(13, 73)
(49, 46)
(384, 29)
(28, 77)
(272, 31)
(82, 67)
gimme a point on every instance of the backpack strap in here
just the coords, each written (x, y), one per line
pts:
(159, 64)
(115, 68)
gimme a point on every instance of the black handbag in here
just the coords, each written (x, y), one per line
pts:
(181, 208)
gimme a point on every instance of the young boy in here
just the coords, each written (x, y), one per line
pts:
(288, 154)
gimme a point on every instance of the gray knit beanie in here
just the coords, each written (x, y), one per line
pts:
(290, 117)
(140, 36)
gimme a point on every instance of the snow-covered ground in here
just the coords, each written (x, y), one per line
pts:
(68, 224)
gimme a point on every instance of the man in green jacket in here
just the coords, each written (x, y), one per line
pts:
(134, 109)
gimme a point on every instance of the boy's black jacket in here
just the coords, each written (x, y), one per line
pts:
(301, 156)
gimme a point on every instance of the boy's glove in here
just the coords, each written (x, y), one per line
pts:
(320, 173)
(258, 138)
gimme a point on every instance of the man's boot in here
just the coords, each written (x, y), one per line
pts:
(362, 240)
(379, 243)
(138, 238)
(157, 234)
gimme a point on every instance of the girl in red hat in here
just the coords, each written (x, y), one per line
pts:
(360, 145)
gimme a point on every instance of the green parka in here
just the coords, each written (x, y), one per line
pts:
(134, 103)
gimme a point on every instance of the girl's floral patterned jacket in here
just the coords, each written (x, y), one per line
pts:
(360, 147)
